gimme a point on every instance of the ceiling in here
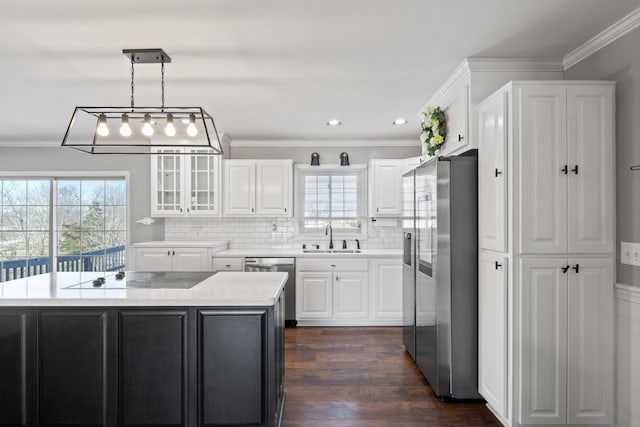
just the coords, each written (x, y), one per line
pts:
(276, 69)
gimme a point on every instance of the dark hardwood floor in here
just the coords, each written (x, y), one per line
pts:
(339, 377)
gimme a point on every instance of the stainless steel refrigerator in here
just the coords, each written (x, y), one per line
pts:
(440, 273)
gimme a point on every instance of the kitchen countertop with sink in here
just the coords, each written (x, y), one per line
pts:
(309, 253)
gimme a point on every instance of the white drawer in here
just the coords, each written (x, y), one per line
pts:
(227, 264)
(332, 264)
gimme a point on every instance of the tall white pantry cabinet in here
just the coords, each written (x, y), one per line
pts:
(547, 252)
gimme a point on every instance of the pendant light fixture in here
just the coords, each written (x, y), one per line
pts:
(143, 130)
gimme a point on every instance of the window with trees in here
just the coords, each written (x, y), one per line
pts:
(61, 224)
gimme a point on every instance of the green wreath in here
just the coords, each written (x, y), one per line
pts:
(434, 130)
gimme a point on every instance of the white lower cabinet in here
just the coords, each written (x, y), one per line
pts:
(341, 291)
(493, 336)
(350, 295)
(172, 259)
(314, 295)
(566, 357)
(386, 284)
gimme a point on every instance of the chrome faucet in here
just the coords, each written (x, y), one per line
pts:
(329, 231)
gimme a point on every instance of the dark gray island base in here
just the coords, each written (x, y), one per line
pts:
(142, 366)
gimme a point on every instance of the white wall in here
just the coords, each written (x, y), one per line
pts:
(53, 159)
(620, 61)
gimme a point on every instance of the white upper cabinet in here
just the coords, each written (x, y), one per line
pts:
(239, 187)
(492, 171)
(258, 187)
(385, 187)
(473, 81)
(185, 184)
(543, 155)
(590, 135)
(456, 110)
(566, 168)
(273, 187)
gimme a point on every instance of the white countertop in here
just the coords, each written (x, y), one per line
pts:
(221, 289)
(280, 253)
(223, 244)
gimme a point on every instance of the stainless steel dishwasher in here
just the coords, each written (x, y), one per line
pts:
(279, 264)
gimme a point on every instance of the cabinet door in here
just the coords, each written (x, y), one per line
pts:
(492, 174)
(456, 110)
(543, 349)
(350, 296)
(314, 296)
(590, 342)
(152, 364)
(239, 187)
(542, 157)
(17, 368)
(232, 371)
(190, 259)
(493, 339)
(75, 370)
(386, 187)
(167, 183)
(274, 187)
(591, 188)
(387, 289)
(153, 259)
(203, 184)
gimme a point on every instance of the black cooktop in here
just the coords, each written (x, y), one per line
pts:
(145, 280)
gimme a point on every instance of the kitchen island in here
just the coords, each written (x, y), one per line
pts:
(211, 354)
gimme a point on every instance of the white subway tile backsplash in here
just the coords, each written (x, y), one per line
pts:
(259, 233)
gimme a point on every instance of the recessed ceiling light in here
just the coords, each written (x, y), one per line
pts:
(334, 122)
(400, 121)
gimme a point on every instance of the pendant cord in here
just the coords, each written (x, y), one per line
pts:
(133, 102)
(162, 80)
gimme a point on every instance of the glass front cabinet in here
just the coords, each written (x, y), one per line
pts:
(185, 184)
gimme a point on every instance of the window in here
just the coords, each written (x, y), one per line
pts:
(90, 225)
(24, 227)
(330, 196)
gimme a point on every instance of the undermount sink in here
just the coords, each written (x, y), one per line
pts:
(331, 251)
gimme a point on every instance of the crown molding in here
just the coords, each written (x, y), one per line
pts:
(323, 143)
(515, 64)
(462, 71)
(611, 34)
(492, 65)
(628, 293)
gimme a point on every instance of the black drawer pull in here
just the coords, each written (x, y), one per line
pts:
(576, 268)
(565, 269)
(498, 266)
(565, 170)
(460, 138)
(498, 172)
(575, 170)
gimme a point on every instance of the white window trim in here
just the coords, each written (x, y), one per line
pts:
(298, 232)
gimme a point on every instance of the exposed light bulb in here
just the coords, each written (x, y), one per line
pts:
(170, 130)
(147, 130)
(102, 129)
(192, 130)
(125, 130)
